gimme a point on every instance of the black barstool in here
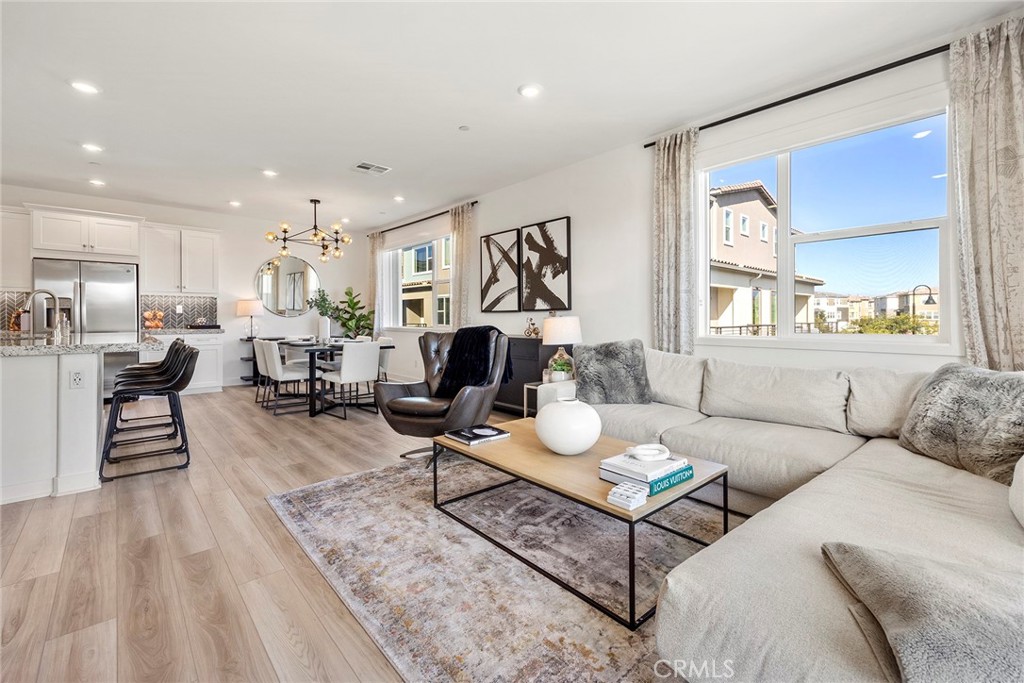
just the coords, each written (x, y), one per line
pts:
(167, 385)
(148, 372)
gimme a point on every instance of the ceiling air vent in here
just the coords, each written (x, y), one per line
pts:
(372, 169)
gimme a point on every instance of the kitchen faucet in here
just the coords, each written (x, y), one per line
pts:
(28, 308)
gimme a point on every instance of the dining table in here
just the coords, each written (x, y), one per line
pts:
(330, 351)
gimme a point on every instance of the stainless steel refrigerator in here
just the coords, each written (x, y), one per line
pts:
(100, 299)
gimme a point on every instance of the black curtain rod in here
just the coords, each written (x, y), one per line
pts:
(822, 88)
(420, 220)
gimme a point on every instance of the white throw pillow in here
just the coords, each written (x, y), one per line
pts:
(675, 379)
(1017, 491)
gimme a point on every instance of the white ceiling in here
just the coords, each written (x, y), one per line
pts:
(198, 98)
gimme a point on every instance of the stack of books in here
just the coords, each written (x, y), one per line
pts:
(655, 475)
(477, 434)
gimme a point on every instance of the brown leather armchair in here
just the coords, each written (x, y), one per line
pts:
(412, 408)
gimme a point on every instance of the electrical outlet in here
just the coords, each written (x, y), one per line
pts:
(179, 309)
(76, 380)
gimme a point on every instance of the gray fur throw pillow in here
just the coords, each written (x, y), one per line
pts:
(969, 418)
(614, 372)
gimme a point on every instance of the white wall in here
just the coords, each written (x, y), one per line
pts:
(242, 251)
(609, 200)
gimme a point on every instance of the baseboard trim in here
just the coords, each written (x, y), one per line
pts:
(75, 483)
(33, 489)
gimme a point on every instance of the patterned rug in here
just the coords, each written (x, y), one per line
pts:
(444, 604)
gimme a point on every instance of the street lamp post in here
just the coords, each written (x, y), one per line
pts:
(930, 301)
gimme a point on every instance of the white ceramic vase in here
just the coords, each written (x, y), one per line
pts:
(568, 426)
(325, 328)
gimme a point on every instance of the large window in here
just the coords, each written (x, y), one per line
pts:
(856, 226)
(419, 294)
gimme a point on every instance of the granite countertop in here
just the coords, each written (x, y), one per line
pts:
(18, 344)
(181, 330)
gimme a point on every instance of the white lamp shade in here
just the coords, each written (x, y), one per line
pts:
(562, 331)
(247, 307)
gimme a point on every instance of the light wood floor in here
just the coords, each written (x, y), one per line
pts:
(189, 575)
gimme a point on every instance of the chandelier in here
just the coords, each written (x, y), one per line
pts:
(317, 238)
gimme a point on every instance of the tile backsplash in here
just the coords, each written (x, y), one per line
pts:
(193, 307)
(10, 301)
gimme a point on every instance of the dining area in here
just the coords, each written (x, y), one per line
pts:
(303, 374)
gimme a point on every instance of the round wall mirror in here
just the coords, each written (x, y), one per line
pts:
(284, 284)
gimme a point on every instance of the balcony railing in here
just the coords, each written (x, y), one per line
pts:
(744, 330)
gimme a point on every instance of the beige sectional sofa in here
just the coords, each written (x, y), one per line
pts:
(813, 454)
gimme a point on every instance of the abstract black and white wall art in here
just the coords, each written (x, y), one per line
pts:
(545, 273)
(499, 272)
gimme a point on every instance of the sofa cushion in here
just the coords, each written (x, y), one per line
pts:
(969, 418)
(793, 396)
(642, 423)
(779, 613)
(675, 379)
(880, 400)
(765, 458)
(613, 372)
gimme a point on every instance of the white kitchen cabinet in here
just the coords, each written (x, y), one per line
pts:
(209, 373)
(179, 260)
(160, 266)
(85, 232)
(199, 262)
(60, 231)
(15, 251)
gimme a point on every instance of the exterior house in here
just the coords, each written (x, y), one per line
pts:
(744, 264)
(426, 294)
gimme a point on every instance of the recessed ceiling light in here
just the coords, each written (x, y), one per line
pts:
(87, 88)
(346, 220)
(97, 182)
(399, 198)
(939, 175)
(463, 128)
(90, 147)
(530, 90)
(235, 204)
(922, 134)
(269, 173)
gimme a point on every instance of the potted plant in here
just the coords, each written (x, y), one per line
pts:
(561, 369)
(349, 313)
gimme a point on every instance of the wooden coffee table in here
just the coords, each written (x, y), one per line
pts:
(576, 477)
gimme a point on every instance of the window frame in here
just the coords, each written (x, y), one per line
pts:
(744, 221)
(763, 232)
(390, 280)
(948, 340)
(727, 227)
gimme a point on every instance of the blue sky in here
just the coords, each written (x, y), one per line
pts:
(884, 176)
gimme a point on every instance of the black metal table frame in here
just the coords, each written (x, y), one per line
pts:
(633, 622)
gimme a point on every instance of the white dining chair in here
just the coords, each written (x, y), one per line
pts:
(363, 338)
(359, 363)
(263, 378)
(294, 356)
(282, 374)
(385, 357)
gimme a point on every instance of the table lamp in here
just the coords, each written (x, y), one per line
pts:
(562, 331)
(252, 308)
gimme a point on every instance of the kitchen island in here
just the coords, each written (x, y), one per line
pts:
(51, 411)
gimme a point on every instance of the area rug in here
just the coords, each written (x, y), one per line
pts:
(444, 604)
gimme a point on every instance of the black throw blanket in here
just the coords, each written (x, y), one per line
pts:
(469, 361)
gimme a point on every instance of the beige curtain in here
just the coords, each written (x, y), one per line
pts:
(987, 116)
(675, 282)
(462, 240)
(376, 293)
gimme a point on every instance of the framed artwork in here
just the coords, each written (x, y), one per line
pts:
(499, 272)
(545, 272)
